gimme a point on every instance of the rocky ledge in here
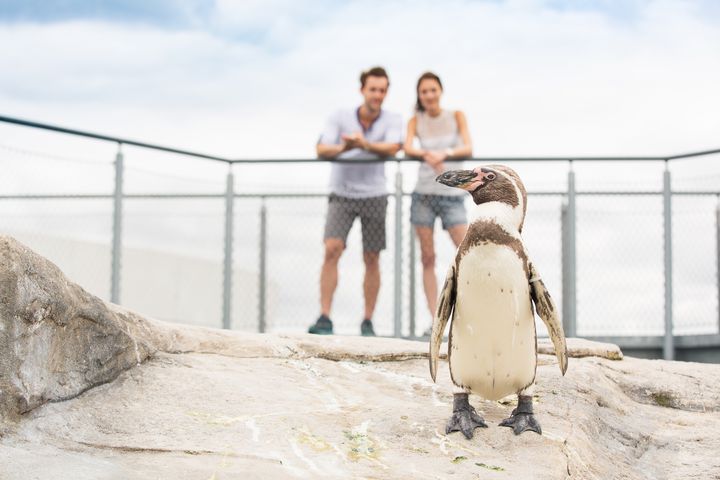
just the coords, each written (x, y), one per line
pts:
(89, 390)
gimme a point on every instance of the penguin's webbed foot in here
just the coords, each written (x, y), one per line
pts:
(465, 421)
(464, 418)
(521, 422)
(522, 419)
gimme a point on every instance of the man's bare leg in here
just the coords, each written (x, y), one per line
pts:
(371, 283)
(329, 273)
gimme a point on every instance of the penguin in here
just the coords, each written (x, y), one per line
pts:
(488, 296)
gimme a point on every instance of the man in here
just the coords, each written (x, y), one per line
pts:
(357, 190)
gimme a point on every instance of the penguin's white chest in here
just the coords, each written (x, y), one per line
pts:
(492, 346)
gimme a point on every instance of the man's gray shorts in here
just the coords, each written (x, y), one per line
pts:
(342, 212)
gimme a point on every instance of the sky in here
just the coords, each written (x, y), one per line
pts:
(249, 79)
(257, 79)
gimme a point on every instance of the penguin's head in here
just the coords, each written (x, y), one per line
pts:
(491, 183)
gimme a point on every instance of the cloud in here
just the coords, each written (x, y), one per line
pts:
(534, 78)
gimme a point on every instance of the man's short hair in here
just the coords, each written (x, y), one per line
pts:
(373, 72)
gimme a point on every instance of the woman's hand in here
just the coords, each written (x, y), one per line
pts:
(435, 160)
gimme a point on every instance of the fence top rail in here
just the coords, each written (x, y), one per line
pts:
(475, 159)
(109, 138)
(181, 195)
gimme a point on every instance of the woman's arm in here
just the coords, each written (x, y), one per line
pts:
(465, 151)
(434, 159)
(410, 151)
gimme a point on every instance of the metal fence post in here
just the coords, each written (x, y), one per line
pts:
(227, 267)
(569, 257)
(411, 266)
(668, 341)
(117, 227)
(398, 252)
(717, 254)
(564, 259)
(262, 269)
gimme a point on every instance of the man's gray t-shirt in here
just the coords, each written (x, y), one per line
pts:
(363, 180)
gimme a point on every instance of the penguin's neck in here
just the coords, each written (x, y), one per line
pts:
(507, 216)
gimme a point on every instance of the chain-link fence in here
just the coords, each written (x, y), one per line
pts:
(240, 244)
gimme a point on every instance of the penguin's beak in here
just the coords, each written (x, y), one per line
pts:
(464, 179)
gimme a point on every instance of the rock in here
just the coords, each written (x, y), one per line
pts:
(146, 400)
(56, 340)
(279, 415)
(579, 347)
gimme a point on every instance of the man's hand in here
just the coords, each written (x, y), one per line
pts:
(356, 140)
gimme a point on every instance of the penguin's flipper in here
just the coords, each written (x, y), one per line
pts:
(446, 302)
(548, 313)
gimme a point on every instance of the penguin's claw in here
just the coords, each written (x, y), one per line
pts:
(465, 421)
(521, 422)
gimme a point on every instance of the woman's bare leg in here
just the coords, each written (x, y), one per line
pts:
(457, 233)
(427, 255)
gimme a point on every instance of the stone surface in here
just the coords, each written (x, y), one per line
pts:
(209, 415)
(148, 400)
(579, 347)
(56, 340)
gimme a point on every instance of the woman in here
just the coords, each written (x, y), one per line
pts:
(444, 139)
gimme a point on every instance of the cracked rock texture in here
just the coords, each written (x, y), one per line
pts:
(90, 391)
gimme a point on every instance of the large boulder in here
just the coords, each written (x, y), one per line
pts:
(56, 340)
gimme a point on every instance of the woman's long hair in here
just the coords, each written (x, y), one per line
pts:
(425, 76)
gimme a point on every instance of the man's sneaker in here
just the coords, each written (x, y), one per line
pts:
(366, 328)
(323, 326)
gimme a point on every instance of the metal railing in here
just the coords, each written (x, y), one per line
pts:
(230, 196)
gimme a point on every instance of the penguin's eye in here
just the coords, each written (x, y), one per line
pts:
(490, 176)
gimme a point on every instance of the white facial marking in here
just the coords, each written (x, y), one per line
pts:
(503, 214)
